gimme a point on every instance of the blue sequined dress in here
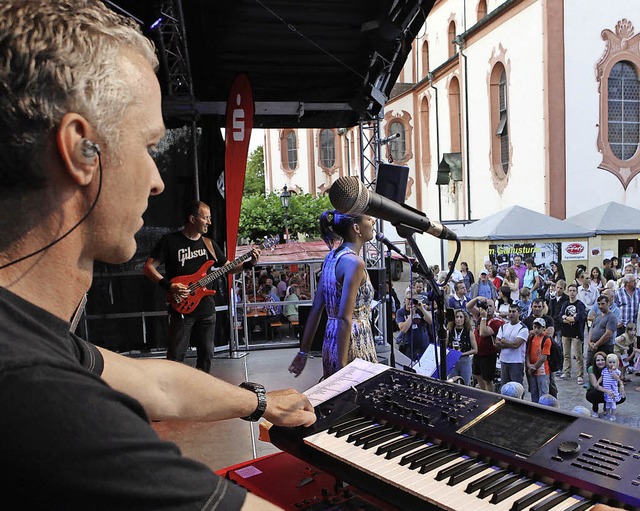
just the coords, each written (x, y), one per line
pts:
(362, 342)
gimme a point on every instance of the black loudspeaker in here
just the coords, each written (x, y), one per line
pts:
(318, 337)
(392, 182)
(378, 278)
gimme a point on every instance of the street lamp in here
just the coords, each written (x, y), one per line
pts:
(285, 197)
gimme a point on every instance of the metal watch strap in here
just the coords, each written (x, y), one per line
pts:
(262, 400)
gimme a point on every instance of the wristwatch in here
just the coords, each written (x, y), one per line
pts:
(262, 400)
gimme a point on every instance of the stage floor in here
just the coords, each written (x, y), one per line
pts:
(225, 443)
(222, 444)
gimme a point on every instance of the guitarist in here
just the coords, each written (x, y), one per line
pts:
(183, 252)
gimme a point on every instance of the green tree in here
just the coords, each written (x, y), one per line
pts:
(263, 216)
(254, 176)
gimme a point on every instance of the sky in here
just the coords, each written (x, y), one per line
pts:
(257, 139)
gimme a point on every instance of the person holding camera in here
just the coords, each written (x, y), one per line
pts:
(461, 338)
(483, 363)
(413, 320)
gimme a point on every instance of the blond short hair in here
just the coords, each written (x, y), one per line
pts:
(56, 57)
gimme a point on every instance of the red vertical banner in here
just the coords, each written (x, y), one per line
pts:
(239, 123)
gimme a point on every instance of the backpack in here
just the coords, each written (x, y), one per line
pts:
(555, 359)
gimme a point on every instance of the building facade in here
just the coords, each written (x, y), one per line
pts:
(537, 101)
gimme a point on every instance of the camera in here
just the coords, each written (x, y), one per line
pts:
(415, 302)
(482, 305)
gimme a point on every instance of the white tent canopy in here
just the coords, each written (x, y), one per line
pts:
(516, 223)
(609, 218)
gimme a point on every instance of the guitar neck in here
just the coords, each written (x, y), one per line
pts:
(210, 277)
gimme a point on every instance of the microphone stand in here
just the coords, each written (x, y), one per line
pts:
(388, 300)
(408, 233)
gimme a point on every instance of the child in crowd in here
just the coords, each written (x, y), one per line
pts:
(611, 382)
(525, 302)
(621, 348)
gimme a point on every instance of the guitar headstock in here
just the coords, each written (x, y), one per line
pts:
(270, 243)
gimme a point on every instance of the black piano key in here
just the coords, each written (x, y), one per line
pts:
(384, 449)
(373, 434)
(498, 485)
(359, 434)
(455, 469)
(346, 423)
(510, 490)
(438, 462)
(471, 471)
(347, 430)
(427, 457)
(485, 480)
(583, 505)
(533, 497)
(380, 439)
(403, 449)
(409, 458)
(551, 501)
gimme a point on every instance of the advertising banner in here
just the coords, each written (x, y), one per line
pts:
(575, 250)
(239, 123)
(542, 253)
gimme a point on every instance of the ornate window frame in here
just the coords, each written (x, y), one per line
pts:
(425, 136)
(499, 122)
(481, 10)
(329, 170)
(452, 29)
(285, 136)
(405, 119)
(620, 46)
(424, 54)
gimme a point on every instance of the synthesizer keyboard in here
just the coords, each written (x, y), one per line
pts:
(421, 443)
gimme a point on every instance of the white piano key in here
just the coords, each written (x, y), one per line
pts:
(412, 481)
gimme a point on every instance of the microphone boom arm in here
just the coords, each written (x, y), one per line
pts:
(408, 233)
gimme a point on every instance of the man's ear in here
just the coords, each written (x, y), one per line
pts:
(76, 147)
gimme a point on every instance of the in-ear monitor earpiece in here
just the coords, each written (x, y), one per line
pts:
(88, 148)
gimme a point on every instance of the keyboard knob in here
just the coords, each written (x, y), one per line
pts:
(569, 448)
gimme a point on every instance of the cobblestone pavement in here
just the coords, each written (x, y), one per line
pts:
(570, 394)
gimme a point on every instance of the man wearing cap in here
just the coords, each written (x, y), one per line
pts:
(537, 311)
(538, 351)
(484, 287)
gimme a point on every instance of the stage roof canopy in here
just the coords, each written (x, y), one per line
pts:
(312, 63)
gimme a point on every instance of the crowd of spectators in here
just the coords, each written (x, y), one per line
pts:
(525, 326)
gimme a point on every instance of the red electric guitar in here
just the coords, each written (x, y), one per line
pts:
(197, 282)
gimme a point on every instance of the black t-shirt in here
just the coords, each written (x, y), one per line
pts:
(182, 256)
(528, 321)
(69, 441)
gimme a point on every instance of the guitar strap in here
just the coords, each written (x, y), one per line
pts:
(208, 244)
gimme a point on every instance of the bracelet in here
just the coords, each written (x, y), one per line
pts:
(261, 393)
(165, 283)
(247, 265)
(303, 353)
(483, 319)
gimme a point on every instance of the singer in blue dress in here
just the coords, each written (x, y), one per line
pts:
(346, 292)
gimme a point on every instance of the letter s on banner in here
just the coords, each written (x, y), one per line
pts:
(238, 121)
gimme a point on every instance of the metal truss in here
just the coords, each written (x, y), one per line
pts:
(174, 53)
(369, 132)
(172, 42)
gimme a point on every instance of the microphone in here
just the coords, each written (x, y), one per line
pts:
(349, 195)
(381, 238)
(388, 139)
